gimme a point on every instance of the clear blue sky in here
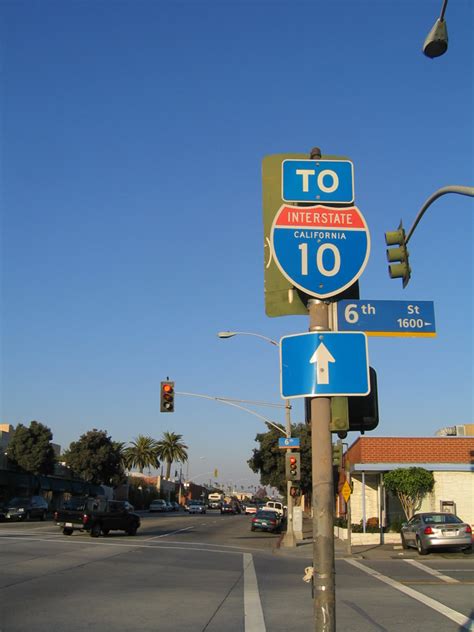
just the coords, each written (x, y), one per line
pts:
(133, 135)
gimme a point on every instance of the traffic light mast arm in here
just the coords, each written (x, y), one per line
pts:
(453, 188)
(223, 400)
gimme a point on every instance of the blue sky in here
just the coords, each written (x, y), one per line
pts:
(133, 136)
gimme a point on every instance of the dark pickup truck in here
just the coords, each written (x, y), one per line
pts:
(96, 515)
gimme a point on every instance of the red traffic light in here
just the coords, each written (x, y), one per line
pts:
(292, 460)
(167, 397)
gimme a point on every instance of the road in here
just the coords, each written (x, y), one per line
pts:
(210, 573)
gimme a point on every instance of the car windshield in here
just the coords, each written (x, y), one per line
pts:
(75, 504)
(16, 502)
(266, 514)
(441, 519)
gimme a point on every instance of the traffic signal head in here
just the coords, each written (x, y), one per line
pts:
(167, 397)
(337, 453)
(399, 254)
(293, 466)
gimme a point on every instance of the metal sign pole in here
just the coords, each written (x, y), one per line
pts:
(323, 502)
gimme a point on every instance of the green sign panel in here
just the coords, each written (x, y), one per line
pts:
(281, 297)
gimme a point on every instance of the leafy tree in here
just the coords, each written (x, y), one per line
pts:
(30, 448)
(269, 460)
(171, 448)
(410, 485)
(96, 458)
(142, 453)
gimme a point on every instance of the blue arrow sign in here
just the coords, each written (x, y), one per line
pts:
(289, 442)
(324, 364)
(386, 318)
(317, 181)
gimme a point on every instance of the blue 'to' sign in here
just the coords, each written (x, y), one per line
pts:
(321, 250)
(318, 181)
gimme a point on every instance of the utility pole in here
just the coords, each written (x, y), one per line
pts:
(323, 489)
(347, 467)
(289, 537)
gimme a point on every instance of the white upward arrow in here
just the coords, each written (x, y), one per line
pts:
(322, 357)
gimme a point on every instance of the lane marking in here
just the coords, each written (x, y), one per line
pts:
(465, 622)
(433, 571)
(164, 535)
(182, 546)
(253, 614)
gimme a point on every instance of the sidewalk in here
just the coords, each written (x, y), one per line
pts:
(304, 548)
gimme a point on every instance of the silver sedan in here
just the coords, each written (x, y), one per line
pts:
(427, 531)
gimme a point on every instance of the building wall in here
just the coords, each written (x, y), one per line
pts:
(452, 486)
(371, 497)
(412, 450)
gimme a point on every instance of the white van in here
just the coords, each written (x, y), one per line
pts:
(275, 506)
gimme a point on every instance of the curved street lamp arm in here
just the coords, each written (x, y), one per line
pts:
(230, 403)
(454, 188)
(230, 334)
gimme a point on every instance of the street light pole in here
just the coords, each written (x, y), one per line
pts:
(289, 539)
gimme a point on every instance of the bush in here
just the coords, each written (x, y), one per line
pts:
(396, 525)
(340, 522)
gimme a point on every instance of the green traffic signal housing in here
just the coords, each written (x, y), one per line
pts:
(398, 257)
(167, 397)
(293, 466)
(337, 453)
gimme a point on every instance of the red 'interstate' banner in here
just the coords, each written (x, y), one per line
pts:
(319, 217)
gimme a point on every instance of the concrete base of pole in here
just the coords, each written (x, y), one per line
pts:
(289, 540)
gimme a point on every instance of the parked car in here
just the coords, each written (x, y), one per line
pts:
(265, 521)
(169, 506)
(25, 508)
(176, 506)
(157, 505)
(276, 506)
(426, 531)
(251, 508)
(196, 507)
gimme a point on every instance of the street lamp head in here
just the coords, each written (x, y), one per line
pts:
(226, 334)
(436, 43)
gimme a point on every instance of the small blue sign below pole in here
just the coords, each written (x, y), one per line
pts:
(288, 442)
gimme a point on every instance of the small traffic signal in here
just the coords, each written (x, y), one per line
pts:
(337, 453)
(293, 466)
(295, 491)
(364, 411)
(167, 397)
(399, 254)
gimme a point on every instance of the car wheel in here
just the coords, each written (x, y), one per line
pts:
(420, 548)
(132, 530)
(468, 550)
(105, 531)
(27, 516)
(252, 528)
(67, 531)
(95, 530)
(43, 516)
(404, 543)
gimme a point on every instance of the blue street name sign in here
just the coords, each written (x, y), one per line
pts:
(317, 181)
(386, 318)
(321, 250)
(292, 442)
(324, 364)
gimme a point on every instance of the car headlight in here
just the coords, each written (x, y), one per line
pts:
(21, 509)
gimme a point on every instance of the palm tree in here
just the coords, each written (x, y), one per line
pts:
(170, 449)
(143, 452)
